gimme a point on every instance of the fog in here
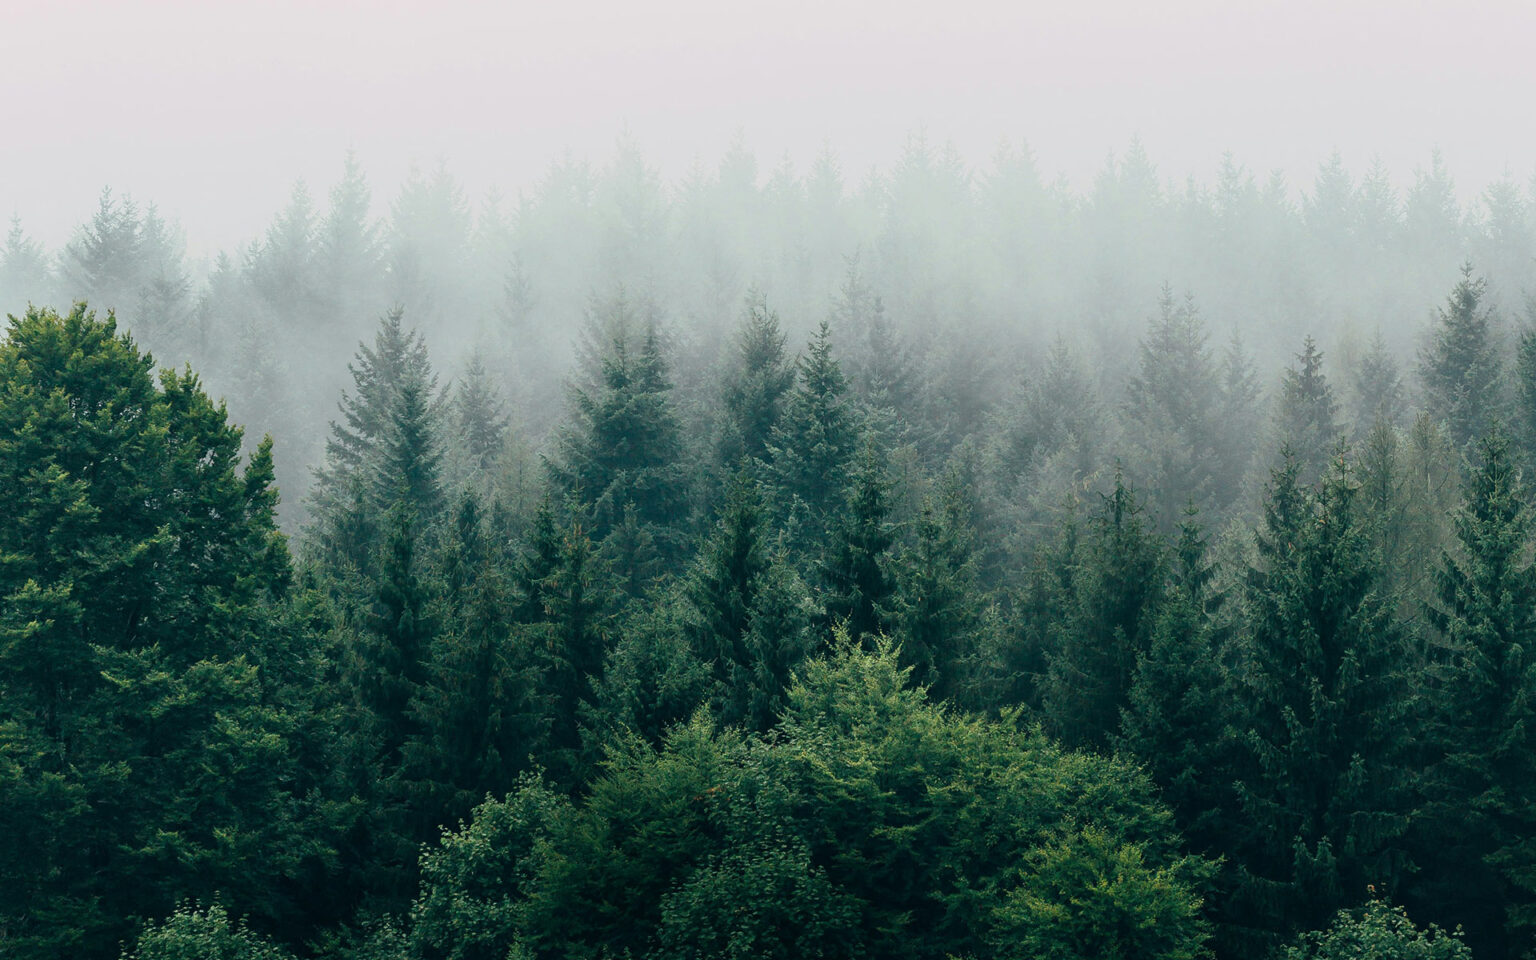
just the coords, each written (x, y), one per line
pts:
(212, 110)
(996, 181)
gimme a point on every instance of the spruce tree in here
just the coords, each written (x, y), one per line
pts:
(855, 569)
(1307, 413)
(940, 615)
(1171, 409)
(1116, 587)
(144, 750)
(754, 392)
(568, 641)
(1321, 719)
(744, 615)
(813, 444)
(383, 451)
(1523, 424)
(1460, 366)
(473, 712)
(480, 415)
(624, 444)
(1174, 718)
(1378, 388)
(1479, 817)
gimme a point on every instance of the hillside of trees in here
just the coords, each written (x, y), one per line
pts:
(949, 565)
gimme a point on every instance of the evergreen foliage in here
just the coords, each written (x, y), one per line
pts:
(1460, 366)
(1321, 718)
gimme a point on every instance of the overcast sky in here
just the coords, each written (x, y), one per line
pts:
(212, 109)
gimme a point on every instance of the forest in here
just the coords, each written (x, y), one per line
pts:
(933, 562)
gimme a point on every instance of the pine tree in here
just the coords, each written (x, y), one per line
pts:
(623, 444)
(384, 449)
(474, 716)
(481, 416)
(855, 570)
(1460, 366)
(1171, 408)
(139, 599)
(1476, 828)
(939, 613)
(754, 394)
(568, 642)
(1175, 713)
(814, 443)
(1378, 388)
(1116, 588)
(1321, 719)
(743, 614)
(24, 270)
(1307, 414)
(1523, 424)
(408, 471)
(1239, 421)
(349, 257)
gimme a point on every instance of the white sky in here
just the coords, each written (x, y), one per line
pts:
(213, 108)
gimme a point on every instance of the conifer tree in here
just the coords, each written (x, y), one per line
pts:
(1460, 366)
(24, 270)
(568, 641)
(755, 392)
(855, 570)
(744, 614)
(1175, 712)
(623, 444)
(1523, 423)
(814, 443)
(1321, 722)
(1172, 408)
(1116, 588)
(1378, 388)
(480, 415)
(1475, 831)
(143, 749)
(1307, 413)
(939, 613)
(474, 716)
(383, 451)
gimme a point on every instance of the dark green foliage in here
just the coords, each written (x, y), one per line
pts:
(939, 615)
(475, 719)
(1377, 932)
(1174, 718)
(744, 614)
(1107, 620)
(855, 570)
(1460, 366)
(623, 445)
(142, 757)
(652, 678)
(814, 443)
(383, 452)
(192, 933)
(567, 639)
(1477, 818)
(1321, 711)
(875, 825)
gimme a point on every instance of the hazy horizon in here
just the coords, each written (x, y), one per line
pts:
(212, 114)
